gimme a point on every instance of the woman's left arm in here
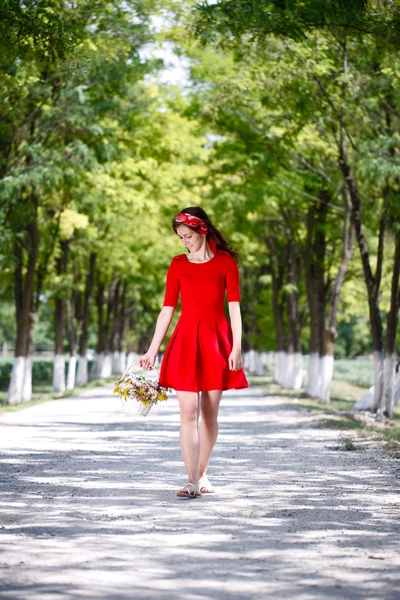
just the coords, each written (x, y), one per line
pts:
(235, 357)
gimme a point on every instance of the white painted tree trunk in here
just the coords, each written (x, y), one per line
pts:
(106, 366)
(17, 380)
(27, 387)
(389, 384)
(326, 375)
(378, 378)
(276, 367)
(396, 391)
(299, 371)
(59, 373)
(313, 376)
(252, 361)
(71, 372)
(82, 374)
(259, 365)
(285, 369)
(97, 365)
(367, 401)
(131, 359)
(114, 362)
(118, 362)
(264, 360)
(122, 362)
(293, 373)
(279, 370)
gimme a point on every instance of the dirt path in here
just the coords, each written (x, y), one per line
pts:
(88, 507)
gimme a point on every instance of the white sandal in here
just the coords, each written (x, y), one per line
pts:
(188, 491)
(205, 485)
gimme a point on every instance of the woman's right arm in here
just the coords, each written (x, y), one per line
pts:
(147, 360)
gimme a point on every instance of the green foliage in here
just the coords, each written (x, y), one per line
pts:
(306, 80)
(354, 335)
(108, 155)
(256, 19)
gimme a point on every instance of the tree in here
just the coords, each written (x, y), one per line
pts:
(55, 129)
(329, 57)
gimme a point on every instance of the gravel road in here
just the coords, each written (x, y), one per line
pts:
(88, 507)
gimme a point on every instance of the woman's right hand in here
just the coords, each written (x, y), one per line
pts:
(146, 361)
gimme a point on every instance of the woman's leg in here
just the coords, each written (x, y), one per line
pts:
(189, 403)
(208, 426)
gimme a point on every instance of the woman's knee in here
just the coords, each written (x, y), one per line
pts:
(189, 413)
(209, 413)
(189, 407)
(210, 406)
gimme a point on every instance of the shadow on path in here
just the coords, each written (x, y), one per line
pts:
(88, 507)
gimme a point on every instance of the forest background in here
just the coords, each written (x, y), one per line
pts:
(284, 128)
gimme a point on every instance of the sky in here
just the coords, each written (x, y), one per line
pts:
(176, 68)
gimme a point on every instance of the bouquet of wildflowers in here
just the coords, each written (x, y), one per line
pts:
(138, 388)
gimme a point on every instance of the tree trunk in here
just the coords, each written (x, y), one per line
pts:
(72, 344)
(82, 374)
(277, 270)
(106, 370)
(294, 371)
(20, 388)
(120, 366)
(372, 281)
(330, 334)
(101, 337)
(387, 403)
(314, 264)
(59, 317)
(103, 359)
(132, 356)
(27, 389)
(114, 339)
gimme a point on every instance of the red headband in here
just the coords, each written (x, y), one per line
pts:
(196, 222)
(192, 221)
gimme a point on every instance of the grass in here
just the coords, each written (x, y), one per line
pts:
(45, 393)
(338, 413)
(346, 444)
(349, 446)
(356, 371)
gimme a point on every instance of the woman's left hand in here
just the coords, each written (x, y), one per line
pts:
(235, 360)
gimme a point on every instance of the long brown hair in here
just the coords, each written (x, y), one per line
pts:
(213, 232)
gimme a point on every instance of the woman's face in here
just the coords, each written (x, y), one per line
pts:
(192, 240)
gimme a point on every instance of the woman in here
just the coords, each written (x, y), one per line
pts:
(203, 356)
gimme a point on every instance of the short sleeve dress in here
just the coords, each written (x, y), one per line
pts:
(196, 357)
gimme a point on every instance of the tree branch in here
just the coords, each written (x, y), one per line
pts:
(314, 198)
(325, 93)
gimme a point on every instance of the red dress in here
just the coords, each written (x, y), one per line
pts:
(196, 357)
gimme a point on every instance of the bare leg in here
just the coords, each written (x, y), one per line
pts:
(189, 403)
(208, 426)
